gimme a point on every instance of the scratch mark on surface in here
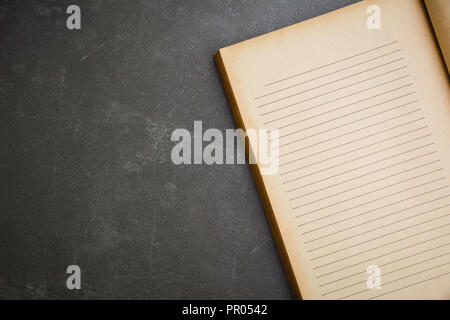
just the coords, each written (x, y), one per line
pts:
(256, 249)
(118, 76)
(61, 93)
(92, 51)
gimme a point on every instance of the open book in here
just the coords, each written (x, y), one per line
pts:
(360, 206)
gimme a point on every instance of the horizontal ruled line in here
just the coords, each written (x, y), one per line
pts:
(360, 205)
(402, 278)
(368, 183)
(348, 123)
(346, 96)
(360, 129)
(390, 195)
(331, 63)
(332, 110)
(357, 149)
(346, 77)
(411, 285)
(361, 252)
(367, 164)
(378, 170)
(389, 253)
(359, 158)
(378, 218)
(373, 210)
(386, 225)
(391, 262)
(334, 90)
(386, 273)
(371, 135)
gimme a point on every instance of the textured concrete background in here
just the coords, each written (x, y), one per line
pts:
(86, 176)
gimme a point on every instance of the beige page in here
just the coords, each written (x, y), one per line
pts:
(439, 12)
(364, 123)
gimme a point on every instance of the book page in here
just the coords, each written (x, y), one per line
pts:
(364, 122)
(439, 12)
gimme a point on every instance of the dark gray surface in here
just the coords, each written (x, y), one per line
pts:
(86, 176)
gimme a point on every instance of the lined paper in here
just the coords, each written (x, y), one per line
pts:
(364, 159)
(359, 166)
